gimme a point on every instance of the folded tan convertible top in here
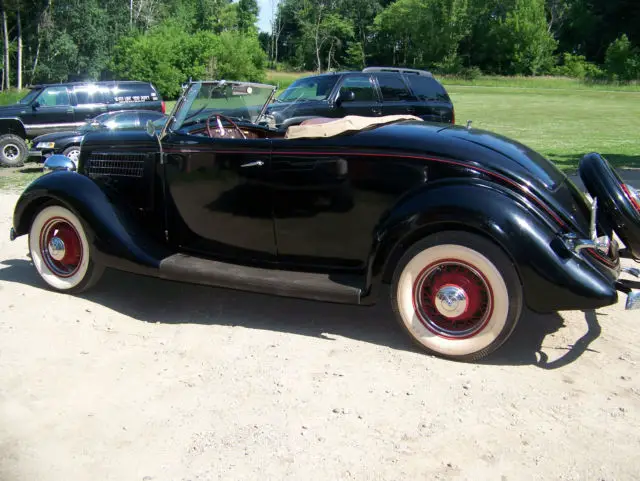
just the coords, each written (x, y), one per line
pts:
(351, 123)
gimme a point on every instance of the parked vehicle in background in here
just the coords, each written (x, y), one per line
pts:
(374, 92)
(62, 107)
(68, 142)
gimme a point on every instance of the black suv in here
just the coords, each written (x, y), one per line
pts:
(58, 107)
(373, 92)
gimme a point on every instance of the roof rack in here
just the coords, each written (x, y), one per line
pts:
(399, 70)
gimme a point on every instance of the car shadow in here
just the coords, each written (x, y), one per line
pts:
(152, 300)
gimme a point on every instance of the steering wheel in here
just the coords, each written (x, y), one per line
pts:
(221, 129)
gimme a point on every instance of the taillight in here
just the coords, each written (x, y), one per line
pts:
(633, 195)
(164, 107)
(453, 115)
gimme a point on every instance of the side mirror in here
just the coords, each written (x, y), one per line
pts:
(35, 105)
(59, 162)
(345, 96)
(150, 128)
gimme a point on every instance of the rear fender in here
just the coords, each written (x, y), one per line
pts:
(13, 126)
(552, 277)
(117, 238)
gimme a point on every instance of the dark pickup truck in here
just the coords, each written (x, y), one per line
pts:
(66, 106)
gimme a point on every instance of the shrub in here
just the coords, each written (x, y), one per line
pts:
(577, 66)
(622, 60)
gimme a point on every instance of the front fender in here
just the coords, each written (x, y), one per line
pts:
(115, 233)
(552, 277)
(12, 125)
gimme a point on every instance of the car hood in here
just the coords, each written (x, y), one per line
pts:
(53, 137)
(14, 110)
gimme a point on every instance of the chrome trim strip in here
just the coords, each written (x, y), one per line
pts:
(53, 126)
(575, 244)
(594, 219)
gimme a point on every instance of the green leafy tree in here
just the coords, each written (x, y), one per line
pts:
(622, 60)
(168, 56)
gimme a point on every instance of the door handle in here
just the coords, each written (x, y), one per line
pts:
(411, 110)
(255, 163)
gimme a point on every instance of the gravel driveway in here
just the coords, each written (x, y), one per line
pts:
(143, 379)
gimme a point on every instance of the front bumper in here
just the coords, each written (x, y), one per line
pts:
(631, 288)
(41, 154)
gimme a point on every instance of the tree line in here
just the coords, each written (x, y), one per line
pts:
(169, 41)
(579, 38)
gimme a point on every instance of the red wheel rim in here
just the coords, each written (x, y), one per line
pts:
(61, 247)
(453, 299)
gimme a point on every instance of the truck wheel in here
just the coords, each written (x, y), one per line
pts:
(60, 250)
(13, 150)
(457, 295)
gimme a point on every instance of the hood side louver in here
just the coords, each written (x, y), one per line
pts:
(115, 164)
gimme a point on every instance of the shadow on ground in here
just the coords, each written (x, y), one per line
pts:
(153, 300)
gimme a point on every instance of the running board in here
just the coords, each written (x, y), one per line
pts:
(306, 285)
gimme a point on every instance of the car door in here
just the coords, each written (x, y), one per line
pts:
(433, 102)
(50, 112)
(366, 101)
(222, 202)
(396, 97)
(328, 198)
(89, 102)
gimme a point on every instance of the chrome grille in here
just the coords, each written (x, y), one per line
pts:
(115, 165)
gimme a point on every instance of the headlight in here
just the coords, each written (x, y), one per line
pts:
(45, 145)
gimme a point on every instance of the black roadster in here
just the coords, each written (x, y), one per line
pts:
(464, 227)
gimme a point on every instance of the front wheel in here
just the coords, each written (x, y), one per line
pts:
(13, 150)
(457, 295)
(73, 153)
(61, 252)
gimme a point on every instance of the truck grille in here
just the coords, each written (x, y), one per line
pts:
(115, 165)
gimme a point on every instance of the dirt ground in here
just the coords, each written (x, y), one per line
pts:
(143, 379)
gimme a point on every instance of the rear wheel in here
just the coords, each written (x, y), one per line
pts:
(457, 295)
(13, 150)
(61, 252)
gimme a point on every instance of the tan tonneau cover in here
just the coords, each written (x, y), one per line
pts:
(350, 123)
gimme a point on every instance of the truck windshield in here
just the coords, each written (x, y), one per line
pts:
(310, 88)
(30, 96)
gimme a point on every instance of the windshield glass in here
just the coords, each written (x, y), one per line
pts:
(310, 88)
(30, 96)
(91, 124)
(237, 100)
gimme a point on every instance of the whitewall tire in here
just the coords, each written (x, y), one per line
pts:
(60, 250)
(457, 295)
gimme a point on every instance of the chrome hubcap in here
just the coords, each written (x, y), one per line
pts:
(451, 301)
(11, 151)
(74, 155)
(56, 248)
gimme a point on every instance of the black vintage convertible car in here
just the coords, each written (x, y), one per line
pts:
(463, 228)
